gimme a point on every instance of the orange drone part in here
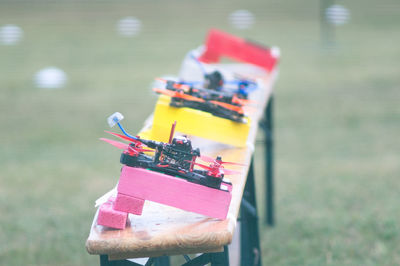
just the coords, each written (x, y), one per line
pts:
(229, 106)
(237, 100)
(165, 92)
(178, 94)
(176, 85)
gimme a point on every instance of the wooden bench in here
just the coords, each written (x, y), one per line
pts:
(162, 230)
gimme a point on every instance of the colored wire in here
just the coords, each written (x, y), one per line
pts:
(199, 64)
(125, 133)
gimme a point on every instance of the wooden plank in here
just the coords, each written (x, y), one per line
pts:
(164, 230)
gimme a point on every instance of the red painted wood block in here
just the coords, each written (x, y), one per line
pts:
(220, 44)
(173, 191)
(129, 204)
(111, 218)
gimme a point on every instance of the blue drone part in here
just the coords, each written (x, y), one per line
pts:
(245, 86)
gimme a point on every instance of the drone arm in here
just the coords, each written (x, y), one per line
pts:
(151, 143)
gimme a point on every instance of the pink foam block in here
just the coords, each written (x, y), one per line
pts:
(111, 218)
(129, 204)
(173, 191)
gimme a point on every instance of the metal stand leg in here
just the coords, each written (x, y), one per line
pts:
(250, 253)
(221, 258)
(105, 262)
(216, 259)
(269, 162)
(327, 30)
(159, 261)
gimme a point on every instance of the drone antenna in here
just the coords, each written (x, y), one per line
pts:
(115, 119)
(199, 64)
(171, 135)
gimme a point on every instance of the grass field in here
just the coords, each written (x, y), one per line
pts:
(337, 122)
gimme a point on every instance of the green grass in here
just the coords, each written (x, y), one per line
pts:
(337, 123)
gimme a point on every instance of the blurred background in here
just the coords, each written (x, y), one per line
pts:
(65, 66)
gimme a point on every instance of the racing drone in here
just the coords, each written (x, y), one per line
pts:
(211, 97)
(177, 157)
(217, 103)
(216, 81)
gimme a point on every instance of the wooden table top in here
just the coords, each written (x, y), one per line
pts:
(163, 230)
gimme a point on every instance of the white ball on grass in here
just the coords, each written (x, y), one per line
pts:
(10, 34)
(242, 19)
(337, 15)
(50, 78)
(129, 26)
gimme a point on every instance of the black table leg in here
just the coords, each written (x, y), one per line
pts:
(269, 163)
(158, 261)
(250, 253)
(215, 258)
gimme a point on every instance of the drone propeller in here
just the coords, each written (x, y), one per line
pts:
(228, 106)
(124, 146)
(188, 97)
(229, 172)
(240, 101)
(209, 159)
(115, 143)
(122, 136)
(163, 165)
(249, 109)
(165, 92)
(178, 94)
(203, 166)
(140, 149)
(219, 169)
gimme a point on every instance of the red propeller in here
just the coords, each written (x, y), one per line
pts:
(140, 149)
(209, 159)
(115, 143)
(127, 147)
(229, 172)
(163, 165)
(218, 169)
(122, 137)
